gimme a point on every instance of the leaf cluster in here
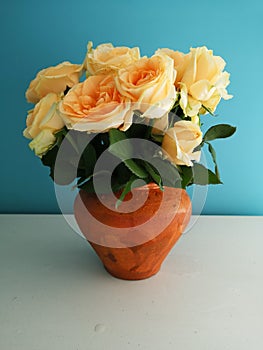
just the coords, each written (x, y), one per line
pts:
(82, 151)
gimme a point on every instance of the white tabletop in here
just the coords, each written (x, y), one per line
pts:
(54, 293)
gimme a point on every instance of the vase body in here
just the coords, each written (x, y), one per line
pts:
(133, 243)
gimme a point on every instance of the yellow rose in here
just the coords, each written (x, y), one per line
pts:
(96, 105)
(178, 59)
(180, 141)
(149, 83)
(42, 122)
(42, 142)
(203, 82)
(107, 59)
(53, 79)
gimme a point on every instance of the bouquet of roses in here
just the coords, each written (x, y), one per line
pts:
(114, 100)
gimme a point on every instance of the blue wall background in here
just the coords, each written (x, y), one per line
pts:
(36, 34)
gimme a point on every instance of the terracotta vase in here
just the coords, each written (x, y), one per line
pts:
(133, 240)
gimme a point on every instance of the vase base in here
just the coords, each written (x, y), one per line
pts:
(130, 276)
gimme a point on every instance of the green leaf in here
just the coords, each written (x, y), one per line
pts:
(124, 151)
(218, 132)
(135, 168)
(204, 176)
(154, 174)
(88, 160)
(187, 175)
(213, 154)
(168, 172)
(116, 136)
(126, 190)
(209, 110)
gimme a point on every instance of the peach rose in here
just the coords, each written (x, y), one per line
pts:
(149, 83)
(107, 59)
(53, 79)
(42, 122)
(180, 141)
(96, 105)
